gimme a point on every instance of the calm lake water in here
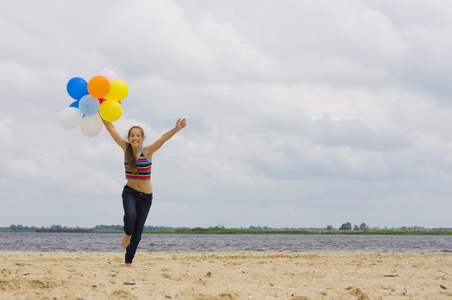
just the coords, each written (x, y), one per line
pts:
(111, 242)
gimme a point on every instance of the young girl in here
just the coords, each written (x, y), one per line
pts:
(137, 193)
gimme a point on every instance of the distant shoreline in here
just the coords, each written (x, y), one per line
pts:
(65, 230)
(248, 231)
(290, 232)
(306, 232)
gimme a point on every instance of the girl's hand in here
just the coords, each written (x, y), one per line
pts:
(149, 150)
(181, 123)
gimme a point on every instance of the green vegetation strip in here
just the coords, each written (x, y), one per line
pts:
(349, 232)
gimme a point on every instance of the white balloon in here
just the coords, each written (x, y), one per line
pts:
(91, 125)
(70, 118)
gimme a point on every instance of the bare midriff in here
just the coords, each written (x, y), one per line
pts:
(144, 186)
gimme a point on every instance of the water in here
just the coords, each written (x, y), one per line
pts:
(111, 242)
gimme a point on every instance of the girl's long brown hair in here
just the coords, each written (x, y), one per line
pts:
(130, 156)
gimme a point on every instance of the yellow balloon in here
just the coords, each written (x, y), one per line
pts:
(110, 110)
(118, 90)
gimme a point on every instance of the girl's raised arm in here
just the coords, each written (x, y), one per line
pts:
(115, 135)
(149, 150)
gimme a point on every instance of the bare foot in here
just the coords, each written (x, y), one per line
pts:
(129, 265)
(126, 240)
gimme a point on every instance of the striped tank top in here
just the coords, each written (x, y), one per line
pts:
(144, 168)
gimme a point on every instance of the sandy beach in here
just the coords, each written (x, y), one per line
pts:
(226, 275)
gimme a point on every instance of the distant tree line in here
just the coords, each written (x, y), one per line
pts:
(21, 228)
(364, 227)
(345, 226)
(348, 226)
(121, 227)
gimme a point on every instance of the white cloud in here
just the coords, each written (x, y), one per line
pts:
(299, 113)
(5, 132)
(97, 183)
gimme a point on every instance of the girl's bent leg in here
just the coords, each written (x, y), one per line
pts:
(142, 209)
(129, 202)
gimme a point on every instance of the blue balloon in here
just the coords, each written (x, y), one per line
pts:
(77, 88)
(89, 105)
(74, 104)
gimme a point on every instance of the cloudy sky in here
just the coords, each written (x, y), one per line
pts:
(300, 113)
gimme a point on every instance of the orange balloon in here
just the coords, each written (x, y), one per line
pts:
(98, 86)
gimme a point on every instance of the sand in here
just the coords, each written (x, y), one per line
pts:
(226, 275)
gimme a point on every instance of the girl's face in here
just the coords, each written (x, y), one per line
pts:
(135, 137)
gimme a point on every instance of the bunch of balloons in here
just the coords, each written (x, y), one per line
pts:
(103, 93)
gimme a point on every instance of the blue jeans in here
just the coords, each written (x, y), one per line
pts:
(136, 210)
